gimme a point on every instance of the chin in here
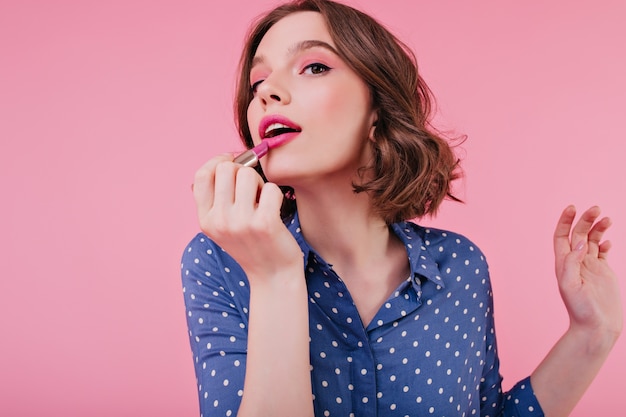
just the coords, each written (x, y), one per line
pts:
(285, 174)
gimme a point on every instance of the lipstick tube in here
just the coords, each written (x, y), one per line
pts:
(250, 158)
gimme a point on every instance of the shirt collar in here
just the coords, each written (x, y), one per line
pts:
(420, 260)
(423, 264)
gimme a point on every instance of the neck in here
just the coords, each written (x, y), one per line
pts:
(341, 226)
(343, 230)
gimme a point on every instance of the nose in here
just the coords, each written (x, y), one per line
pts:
(271, 91)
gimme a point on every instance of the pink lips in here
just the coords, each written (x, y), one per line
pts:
(250, 158)
(281, 139)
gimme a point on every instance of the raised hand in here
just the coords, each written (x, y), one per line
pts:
(590, 291)
(587, 284)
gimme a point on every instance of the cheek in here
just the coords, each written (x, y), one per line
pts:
(344, 106)
(332, 101)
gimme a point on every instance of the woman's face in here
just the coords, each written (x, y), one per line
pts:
(301, 82)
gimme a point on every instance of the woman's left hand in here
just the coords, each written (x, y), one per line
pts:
(587, 284)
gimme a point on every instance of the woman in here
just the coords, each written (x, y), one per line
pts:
(341, 307)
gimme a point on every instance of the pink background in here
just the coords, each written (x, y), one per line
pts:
(108, 107)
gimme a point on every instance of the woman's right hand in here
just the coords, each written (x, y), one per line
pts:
(241, 213)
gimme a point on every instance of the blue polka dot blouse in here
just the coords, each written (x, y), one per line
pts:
(429, 351)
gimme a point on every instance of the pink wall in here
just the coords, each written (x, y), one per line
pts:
(107, 108)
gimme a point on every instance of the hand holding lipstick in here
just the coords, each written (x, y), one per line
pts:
(241, 213)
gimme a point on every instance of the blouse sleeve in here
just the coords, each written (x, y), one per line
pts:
(214, 290)
(520, 401)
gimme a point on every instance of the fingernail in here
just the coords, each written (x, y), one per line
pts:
(580, 246)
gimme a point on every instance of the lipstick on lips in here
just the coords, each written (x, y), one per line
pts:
(274, 131)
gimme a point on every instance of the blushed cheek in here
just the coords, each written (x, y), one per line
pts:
(334, 107)
(349, 108)
(333, 101)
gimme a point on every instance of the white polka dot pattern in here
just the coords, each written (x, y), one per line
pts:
(430, 349)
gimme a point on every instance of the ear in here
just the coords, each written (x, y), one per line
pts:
(371, 134)
(373, 123)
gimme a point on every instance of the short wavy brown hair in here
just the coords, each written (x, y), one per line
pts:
(413, 166)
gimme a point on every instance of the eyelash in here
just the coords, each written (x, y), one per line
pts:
(254, 86)
(317, 65)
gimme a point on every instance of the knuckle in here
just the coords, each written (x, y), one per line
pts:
(272, 191)
(224, 166)
(210, 166)
(271, 187)
(247, 174)
(202, 174)
(245, 171)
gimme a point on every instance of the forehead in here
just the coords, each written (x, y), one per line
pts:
(294, 28)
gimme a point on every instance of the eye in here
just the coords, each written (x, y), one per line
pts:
(255, 86)
(315, 69)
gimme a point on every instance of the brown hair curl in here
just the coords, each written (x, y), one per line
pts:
(413, 166)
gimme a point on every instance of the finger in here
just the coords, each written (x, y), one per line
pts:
(204, 182)
(562, 244)
(224, 194)
(247, 188)
(604, 249)
(595, 235)
(580, 232)
(270, 202)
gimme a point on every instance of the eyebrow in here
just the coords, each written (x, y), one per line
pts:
(297, 48)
